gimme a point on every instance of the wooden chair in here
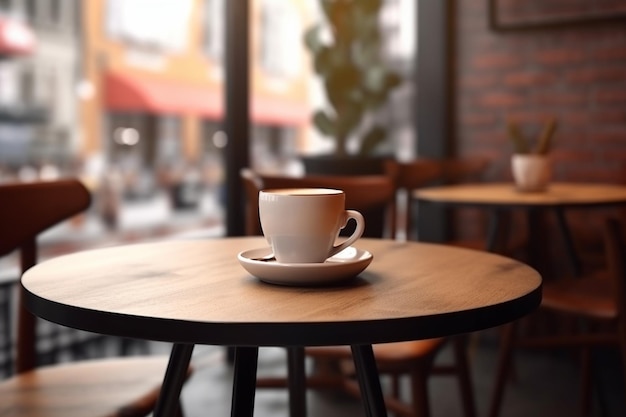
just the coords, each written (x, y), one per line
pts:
(415, 358)
(595, 301)
(108, 387)
(424, 172)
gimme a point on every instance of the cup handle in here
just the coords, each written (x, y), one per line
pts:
(358, 231)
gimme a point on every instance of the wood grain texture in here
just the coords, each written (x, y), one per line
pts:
(505, 194)
(86, 388)
(196, 292)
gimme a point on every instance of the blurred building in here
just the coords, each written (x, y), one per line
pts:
(38, 69)
(153, 84)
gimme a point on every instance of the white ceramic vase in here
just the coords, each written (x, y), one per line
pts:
(531, 172)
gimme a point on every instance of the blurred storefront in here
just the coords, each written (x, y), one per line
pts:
(152, 103)
(38, 67)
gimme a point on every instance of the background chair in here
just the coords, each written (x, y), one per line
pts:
(108, 387)
(596, 302)
(424, 172)
(415, 358)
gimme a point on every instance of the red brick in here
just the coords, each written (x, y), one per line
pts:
(610, 53)
(495, 61)
(501, 100)
(529, 79)
(610, 96)
(478, 80)
(570, 141)
(559, 98)
(559, 56)
(604, 138)
(595, 75)
(575, 118)
(528, 116)
(495, 139)
(608, 116)
(616, 159)
(560, 156)
(478, 119)
(588, 173)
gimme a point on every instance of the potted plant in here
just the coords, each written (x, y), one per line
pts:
(346, 51)
(530, 163)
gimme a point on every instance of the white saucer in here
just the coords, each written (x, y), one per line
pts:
(346, 264)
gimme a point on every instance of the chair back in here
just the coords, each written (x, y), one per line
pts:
(615, 247)
(372, 195)
(424, 172)
(28, 209)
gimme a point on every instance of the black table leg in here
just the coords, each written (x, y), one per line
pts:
(244, 383)
(369, 381)
(297, 381)
(175, 375)
(567, 241)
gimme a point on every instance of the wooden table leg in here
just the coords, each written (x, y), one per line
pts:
(297, 381)
(244, 382)
(175, 375)
(369, 380)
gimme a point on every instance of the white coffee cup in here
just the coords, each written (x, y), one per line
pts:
(302, 224)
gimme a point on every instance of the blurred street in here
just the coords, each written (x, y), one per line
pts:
(138, 221)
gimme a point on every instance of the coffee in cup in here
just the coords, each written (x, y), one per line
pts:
(302, 224)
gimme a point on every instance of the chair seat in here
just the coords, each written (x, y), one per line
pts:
(108, 387)
(588, 297)
(384, 352)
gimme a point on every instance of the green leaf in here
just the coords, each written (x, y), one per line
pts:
(373, 139)
(545, 139)
(324, 123)
(354, 74)
(519, 142)
(312, 39)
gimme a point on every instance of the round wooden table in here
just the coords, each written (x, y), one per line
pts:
(505, 194)
(558, 197)
(195, 292)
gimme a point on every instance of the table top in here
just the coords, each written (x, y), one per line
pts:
(195, 291)
(505, 194)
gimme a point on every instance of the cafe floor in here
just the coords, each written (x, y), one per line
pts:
(547, 385)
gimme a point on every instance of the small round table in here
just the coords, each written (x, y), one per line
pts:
(195, 292)
(558, 197)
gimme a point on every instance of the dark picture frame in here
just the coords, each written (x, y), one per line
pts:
(520, 23)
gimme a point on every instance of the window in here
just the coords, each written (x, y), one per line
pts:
(169, 148)
(5, 5)
(281, 38)
(166, 29)
(398, 20)
(30, 11)
(55, 12)
(213, 41)
(28, 86)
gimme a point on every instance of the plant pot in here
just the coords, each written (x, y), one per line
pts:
(531, 172)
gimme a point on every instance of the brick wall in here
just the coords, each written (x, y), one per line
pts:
(577, 74)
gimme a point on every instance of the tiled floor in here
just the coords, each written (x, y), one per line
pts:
(546, 386)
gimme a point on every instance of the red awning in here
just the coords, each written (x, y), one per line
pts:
(276, 111)
(15, 38)
(124, 92)
(134, 93)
